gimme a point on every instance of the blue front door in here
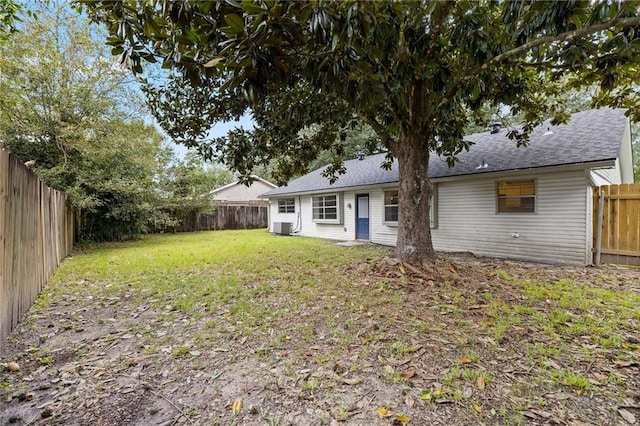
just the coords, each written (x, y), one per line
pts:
(362, 217)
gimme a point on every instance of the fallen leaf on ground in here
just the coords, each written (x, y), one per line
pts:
(465, 360)
(237, 406)
(480, 383)
(353, 381)
(383, 412)
(403, 419)
(409, 401)
(407, 374)
(477, 408)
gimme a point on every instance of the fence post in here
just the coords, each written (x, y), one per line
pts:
(599, 230)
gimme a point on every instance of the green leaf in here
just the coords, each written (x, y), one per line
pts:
(235, 22)
(251, 7)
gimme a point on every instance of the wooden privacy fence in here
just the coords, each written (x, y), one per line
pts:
(36, 234)
(617, 240)
(227, 217)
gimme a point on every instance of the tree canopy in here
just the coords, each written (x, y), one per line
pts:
(72, 111)
(416, 72)
(9, 11)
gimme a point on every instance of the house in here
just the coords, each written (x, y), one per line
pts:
(237, 193)
(532, 203)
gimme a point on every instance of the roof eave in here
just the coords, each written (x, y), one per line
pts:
(599, 164)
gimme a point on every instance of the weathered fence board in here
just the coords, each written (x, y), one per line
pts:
(36, 234)
(620, 223)
(227, 217)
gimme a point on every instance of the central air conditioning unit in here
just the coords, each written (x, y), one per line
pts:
(282, 228)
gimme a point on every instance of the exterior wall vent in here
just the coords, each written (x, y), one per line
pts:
(494, 127)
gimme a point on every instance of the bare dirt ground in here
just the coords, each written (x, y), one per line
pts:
(464, 342)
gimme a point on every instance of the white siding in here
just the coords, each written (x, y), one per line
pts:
(559, 231)
(380, 232)
(274, 216)
(303, 223)
(556, 233)
(626, 156)
(610, 176)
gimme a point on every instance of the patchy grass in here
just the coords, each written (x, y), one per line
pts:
(307, 332)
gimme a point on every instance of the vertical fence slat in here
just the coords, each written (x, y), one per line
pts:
(5, 318)
(621, 224)
(35, 236)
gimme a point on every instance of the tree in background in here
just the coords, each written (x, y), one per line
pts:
(416, 72)
(69, 107)
(184, 188)
(9, 11)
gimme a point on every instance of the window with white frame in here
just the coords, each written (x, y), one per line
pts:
(286, 205)
(391, 207)
(516, 196)
(326, 208)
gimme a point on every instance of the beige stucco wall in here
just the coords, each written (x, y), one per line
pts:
(240, 192)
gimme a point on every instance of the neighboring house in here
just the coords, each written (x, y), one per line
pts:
(238, 193)
(531, 203)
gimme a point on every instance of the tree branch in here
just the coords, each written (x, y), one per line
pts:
(567, 36)
(380, 130)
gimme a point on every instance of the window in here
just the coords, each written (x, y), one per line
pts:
(517, 196)
(391, 206)
(287, 205)
(326, 208)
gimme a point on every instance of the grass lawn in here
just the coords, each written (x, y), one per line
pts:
(247, 328)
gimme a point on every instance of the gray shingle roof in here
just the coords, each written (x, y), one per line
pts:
(589, 136)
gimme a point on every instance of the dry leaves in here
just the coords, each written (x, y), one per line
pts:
(383, 412)
(236, 408)
(213, 62)
(407, 374)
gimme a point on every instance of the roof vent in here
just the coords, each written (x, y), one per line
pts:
(494, 126)
(484, 164)
(360, 156)
(548, 132)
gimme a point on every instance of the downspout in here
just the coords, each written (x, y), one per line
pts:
(268, 215)
(300, 214)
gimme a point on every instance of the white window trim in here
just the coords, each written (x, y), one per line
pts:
(534, 196)
(338, 219)
(293, 203)
(384, 208)
(433, 217)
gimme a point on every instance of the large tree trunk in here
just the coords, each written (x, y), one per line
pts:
(414, 199)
